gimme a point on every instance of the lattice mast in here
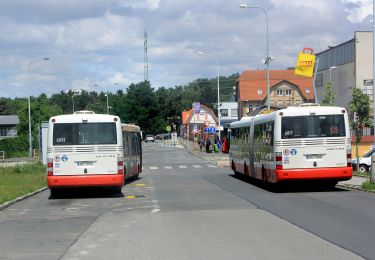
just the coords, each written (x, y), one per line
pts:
(145, 58)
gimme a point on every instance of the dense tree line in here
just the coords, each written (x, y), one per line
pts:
(140, 103)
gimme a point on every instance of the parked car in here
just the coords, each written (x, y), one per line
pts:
(149, 138)
(364, 162)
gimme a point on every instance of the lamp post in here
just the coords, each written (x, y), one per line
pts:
(29, 108)
(107, 104)
(268, 58)
(218, 84)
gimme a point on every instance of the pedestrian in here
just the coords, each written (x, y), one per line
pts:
(225, 146)
(200, 141)
(208, 144)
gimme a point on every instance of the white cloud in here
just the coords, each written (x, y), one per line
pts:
(358, 10)
(148, 4)
(101, 41)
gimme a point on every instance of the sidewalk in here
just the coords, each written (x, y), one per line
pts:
(354, 183)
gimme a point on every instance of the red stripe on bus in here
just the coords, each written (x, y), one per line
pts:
(86, 180)
(340, 174)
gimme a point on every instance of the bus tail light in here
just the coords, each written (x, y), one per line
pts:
(120, 165)
(50, 167)
(279, 161)
(349, 158)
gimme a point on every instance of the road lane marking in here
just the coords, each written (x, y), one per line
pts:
(168, 167)
(182, 166)
(197, 166)
(155, 211)
(154, 168)
(211, 166)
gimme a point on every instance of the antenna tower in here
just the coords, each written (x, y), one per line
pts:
(145, 59)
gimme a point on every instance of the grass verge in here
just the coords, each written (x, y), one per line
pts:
(20, 180)
(367, 185)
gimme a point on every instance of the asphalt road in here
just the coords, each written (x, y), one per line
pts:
(186, 208)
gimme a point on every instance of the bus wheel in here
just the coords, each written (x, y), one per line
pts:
(54, 192)
(117, 189)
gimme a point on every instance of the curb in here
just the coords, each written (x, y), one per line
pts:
(355, 187)
(9, 203)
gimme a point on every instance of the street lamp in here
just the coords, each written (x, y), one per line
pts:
(107, 104)
(218, 84)
(268, 58)
(29, 105)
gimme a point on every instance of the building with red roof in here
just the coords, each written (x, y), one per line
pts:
(286, 89)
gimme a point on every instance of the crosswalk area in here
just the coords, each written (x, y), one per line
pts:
(174, 167)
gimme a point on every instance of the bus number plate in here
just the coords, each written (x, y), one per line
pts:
(314, 156)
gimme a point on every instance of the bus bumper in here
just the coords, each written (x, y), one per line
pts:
(86, 180)
(339, 174)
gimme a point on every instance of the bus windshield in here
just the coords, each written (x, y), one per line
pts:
(312, 126)
(84, 133)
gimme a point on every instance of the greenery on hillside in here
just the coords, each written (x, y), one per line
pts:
(140, 103)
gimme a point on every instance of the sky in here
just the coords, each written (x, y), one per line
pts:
(98, 45)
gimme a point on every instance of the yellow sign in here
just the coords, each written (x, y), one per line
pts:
(305, 63)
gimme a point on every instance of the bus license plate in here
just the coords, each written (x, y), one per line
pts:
(314, 156)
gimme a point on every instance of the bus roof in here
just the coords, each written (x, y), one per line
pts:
(241, 123)
(310, 110)
(84, 118)
(130, 128)
(291, 111)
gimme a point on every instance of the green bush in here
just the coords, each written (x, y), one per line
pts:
(14, 145)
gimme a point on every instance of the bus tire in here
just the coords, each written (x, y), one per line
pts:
(54, 192)
(117, 189)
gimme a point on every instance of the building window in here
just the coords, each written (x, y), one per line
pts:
(260, 92)
(233, 113)
(367, 82)
(319, 80)
(3, 131)
(224, 112)
(307, 91)
(288, 92)
(279, 92)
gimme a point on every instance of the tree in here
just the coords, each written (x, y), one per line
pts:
(329, 95)
(360, 115)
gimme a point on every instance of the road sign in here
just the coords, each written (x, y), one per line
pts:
(210, 130)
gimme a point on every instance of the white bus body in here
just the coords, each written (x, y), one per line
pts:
(85, 149)
(295, 143)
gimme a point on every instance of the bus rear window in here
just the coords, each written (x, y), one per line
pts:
(84, 133)
(312, 126)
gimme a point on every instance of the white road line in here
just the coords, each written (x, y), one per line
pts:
(211, 166)
(155, 210)
(168, 167)
(182, 166)
(197, 166)
(154, 168)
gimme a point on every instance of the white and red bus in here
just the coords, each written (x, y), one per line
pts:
(132, 147)
(85, 149)
(296, 143)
